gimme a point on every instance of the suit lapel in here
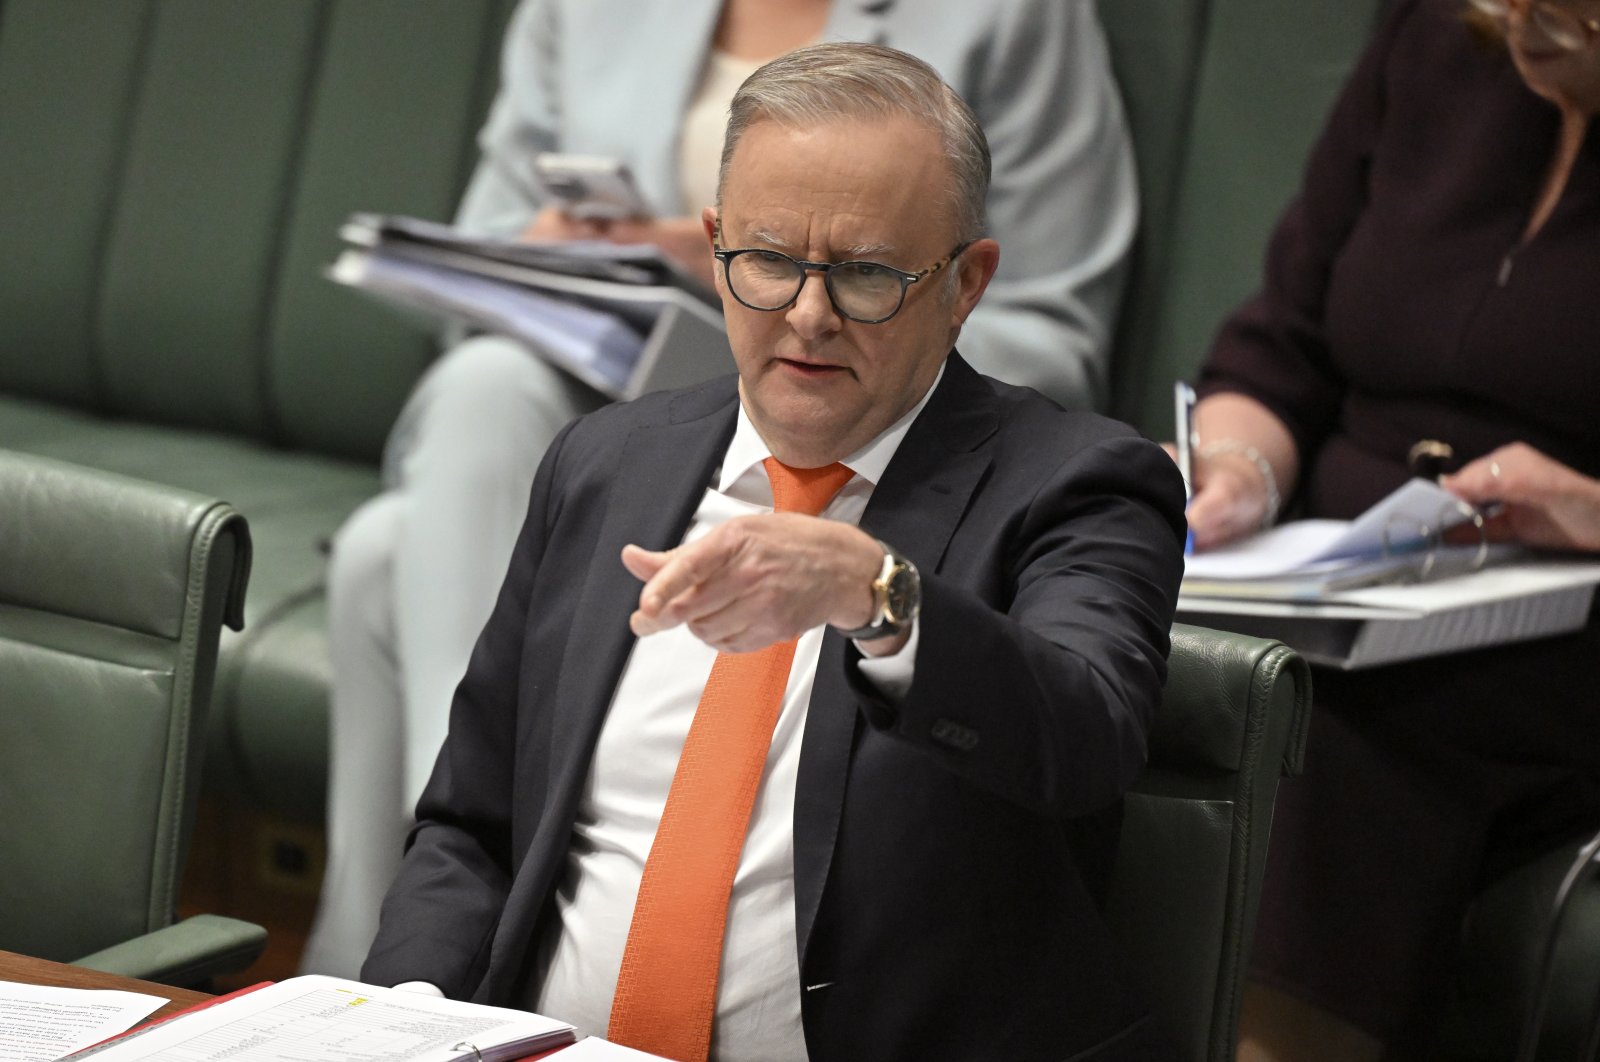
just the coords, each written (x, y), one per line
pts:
(658, 485)
(663, 476)
(916, 508)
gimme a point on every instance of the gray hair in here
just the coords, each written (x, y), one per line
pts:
(826, 82)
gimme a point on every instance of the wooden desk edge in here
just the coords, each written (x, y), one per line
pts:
(14, 967)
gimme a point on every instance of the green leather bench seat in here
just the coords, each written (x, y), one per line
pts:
(173, 178)
(174, 173)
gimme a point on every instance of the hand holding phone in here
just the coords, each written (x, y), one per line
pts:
(591, 187)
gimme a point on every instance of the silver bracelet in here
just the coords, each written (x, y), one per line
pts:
(1233, 446)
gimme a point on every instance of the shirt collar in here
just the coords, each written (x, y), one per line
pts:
(748, 449)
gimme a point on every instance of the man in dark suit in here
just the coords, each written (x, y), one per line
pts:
(978, 620)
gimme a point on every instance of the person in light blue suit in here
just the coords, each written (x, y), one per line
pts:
(414, 572)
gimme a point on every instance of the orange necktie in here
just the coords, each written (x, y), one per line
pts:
(667, 987)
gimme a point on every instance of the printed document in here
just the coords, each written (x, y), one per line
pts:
(39, 1022)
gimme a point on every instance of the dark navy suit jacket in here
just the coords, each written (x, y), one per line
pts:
(949, 850)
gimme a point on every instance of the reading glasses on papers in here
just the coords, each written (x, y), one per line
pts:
(865, 292)
(1455, 542)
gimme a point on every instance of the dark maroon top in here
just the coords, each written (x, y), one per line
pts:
(1397, 305)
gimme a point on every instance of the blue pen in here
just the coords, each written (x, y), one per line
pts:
(1186, 440)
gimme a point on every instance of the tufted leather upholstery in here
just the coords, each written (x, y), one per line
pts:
(174, 175)
(1194, 834)
(112, 595)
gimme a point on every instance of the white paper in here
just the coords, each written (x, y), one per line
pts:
(626, 263)
(1403, 521)
(329, 1019)
(40, 1022)
(594, 1049)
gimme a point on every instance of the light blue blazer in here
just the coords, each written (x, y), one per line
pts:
(614, 78)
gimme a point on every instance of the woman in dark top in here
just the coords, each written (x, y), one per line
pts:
(1438, 278)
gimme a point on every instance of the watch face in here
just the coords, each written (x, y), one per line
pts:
(903, 594)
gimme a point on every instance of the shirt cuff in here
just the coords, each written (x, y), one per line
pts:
(892, 674)
(421, 988)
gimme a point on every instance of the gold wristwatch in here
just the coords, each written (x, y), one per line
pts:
(896, 598)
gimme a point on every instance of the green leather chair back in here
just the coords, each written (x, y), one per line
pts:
(1224, 98)
(1193, 850)
(112, 596)
(178, 170)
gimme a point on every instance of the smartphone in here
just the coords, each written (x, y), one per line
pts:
(591, 186)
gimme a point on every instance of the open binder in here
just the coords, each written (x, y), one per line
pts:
(624, 320)
(1411, 577)
(1385, 624)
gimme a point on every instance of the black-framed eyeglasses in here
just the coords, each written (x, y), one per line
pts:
(865, 292)
(1565, 29)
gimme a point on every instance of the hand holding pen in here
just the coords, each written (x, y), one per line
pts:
(1185, 440)
(1236, 468)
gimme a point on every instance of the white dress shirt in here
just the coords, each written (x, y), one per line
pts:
(758, 990)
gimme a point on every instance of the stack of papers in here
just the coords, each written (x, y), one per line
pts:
(597, 347)
(329, 1019)
(1382, 588)
(639, 264)
(1393, 541)
(622, 319)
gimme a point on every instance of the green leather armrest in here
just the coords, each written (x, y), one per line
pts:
(186, 953)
